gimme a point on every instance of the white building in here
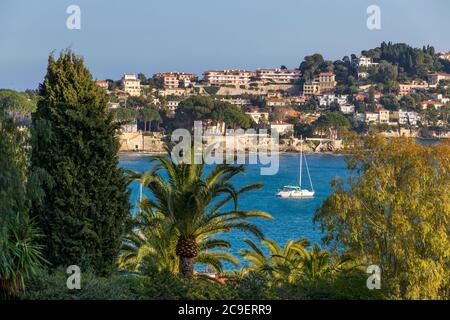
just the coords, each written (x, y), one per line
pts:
(228, 77)
(131, 85)
(173, 104)
(413, 118)
(402, 117)
(364, 61)
(347, 108)
(282, 127)
(327, 99)
(380, 117)
(278, 75)
(239, 102)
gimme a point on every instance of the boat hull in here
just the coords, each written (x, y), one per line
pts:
(296, 194)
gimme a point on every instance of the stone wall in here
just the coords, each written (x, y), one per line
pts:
(139, 141)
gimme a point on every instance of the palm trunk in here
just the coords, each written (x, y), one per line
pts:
(186, 267)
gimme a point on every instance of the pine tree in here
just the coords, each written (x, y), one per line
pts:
(85, 210)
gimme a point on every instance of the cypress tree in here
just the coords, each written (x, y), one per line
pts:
(85, 209)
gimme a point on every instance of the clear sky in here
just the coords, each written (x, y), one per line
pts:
(195, 35)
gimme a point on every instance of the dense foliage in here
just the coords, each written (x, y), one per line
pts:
(85, 209)
(23, 103)
(395, 213)
(206, 108)
(411, 62)
(20, 254)
(166, 285)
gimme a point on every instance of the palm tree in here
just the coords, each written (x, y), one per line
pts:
(318, 263)
(293, 262)
(151, 243)
(281, 264)
(193, 204)
(20, 255)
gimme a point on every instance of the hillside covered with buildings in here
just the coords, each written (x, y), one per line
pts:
(393, 89)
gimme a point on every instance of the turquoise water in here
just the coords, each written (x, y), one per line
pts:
(292, 219)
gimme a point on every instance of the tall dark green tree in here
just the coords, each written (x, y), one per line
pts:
(85, 210)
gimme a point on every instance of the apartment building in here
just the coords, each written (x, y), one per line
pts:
(239, 102)
(279, 75)
(379, 117)
(311, 88)
(327, 82)
(173, 80)
(408, 117)
(131, 85)
(228, 77)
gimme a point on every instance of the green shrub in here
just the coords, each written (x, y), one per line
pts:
(212, 90)
(52, 286)
(168, 286)
(254, 286)
(348, 285)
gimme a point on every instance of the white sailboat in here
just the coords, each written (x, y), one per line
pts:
(297, 192)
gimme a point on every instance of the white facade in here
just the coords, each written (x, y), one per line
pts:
(364, 61)
(327, 99)
(131, 85)
(237, 101)
(402, 117)
(281, 127)
(228, 77)
(347, 108)
(380, 117)
(173, 104)
(278, 75)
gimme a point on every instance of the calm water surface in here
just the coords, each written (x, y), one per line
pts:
(292, 219)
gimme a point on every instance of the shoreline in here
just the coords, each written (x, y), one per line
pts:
(150, 153)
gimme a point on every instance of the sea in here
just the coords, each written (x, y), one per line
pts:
(292, 218)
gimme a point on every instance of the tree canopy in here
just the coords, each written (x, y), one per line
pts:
(85, 209)
(17, 102)
(395, 213)
(206, 108)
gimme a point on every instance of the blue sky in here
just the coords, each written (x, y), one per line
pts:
(149, 36)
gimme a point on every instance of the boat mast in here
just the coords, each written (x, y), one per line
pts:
(309, 176)
(301, 162)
